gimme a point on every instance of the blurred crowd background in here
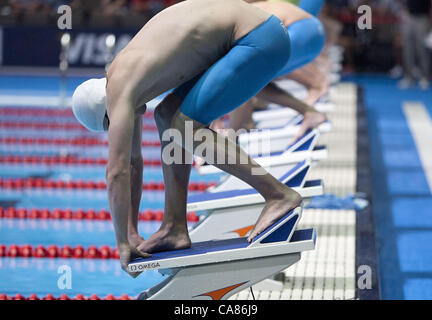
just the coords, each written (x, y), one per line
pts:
(90, 13)
(390, 44)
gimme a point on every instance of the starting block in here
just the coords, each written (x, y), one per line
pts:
(292, 121)
(281, 132)
(232, 214)
(295, 178)
(305, 147)
(305, 142)
(292, 175)
(215, 270)
(324, 104)
(273, 114)
(285, 172)
(277, 116)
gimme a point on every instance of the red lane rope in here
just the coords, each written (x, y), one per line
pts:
(56, 126)
(80, 214)
(54, 251)
(37, 125)
(65, 141)
(20, 183)
(22, 111)
(47, 112)
(79, 296)
(67, 160)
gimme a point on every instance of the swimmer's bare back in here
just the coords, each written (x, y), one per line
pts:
(179, 43)
(287, 12)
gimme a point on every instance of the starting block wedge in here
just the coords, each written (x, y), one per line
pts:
(293, 175)
(286, 131)
(215, 270)
(232, 214)
(273, 114)
(283, 153)
(295, 179)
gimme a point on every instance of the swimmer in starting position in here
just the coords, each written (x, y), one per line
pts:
(217, 54)
(307, 37)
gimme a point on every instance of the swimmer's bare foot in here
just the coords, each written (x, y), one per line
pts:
(166, 239)
(311, 120)
(274, 209)
(314, 94)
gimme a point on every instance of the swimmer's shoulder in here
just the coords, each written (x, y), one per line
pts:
(287, 12)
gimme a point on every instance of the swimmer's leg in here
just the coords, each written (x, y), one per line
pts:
(230, 82)
(313, 79)
(173, 233)
(307, 38)
(312, 6)
(273, 93)
(241, 118)
(312, 118)
(278, 197)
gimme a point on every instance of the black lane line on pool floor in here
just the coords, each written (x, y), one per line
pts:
(366, 253)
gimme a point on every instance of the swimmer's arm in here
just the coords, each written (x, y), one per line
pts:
(120, 134)
(136, 176)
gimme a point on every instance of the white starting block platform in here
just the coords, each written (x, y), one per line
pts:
(324, 106)
(295, 178)
(286, 131)
(283, 145)
(271, 117)
(228, 182)
(279, 116)
(292, 175)
(215, 270)
(282, 153)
